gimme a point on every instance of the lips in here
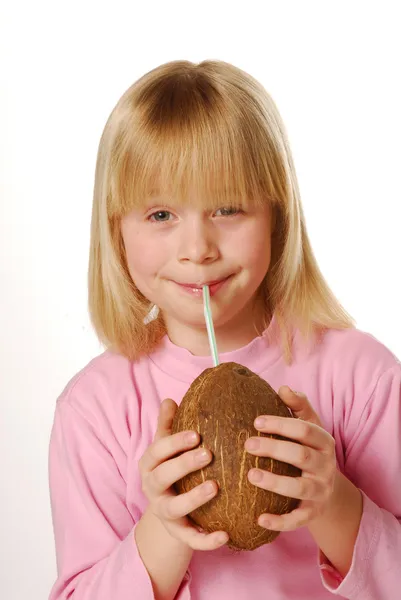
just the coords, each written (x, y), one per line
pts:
(199, 286)
(196, 289)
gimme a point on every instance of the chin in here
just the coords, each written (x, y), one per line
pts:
(220, 319)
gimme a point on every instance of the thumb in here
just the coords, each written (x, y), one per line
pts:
(299, 405)
(165, 421)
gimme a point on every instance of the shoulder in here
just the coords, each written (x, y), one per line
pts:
(355, 341)
(99, 418)
(356, 358)
(103, 391)
(357, 348)
(102, 372)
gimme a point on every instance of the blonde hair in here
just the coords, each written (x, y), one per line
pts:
(212, 128)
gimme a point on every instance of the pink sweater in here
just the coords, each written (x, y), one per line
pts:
(106, 418)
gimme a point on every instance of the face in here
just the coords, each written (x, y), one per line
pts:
(172, 251)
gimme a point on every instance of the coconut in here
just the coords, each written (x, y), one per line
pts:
(221, 405)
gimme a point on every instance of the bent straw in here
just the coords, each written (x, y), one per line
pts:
(209, 324)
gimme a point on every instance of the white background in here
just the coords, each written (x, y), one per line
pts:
(333, 68)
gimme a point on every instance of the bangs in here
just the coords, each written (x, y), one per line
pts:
(187, 138)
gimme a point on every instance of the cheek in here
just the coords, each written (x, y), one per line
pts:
(143, 261)
(143, 256)
(256, 249)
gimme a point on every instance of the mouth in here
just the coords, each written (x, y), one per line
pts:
(196, 289)
(200, 286)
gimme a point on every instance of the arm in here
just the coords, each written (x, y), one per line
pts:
(165, 558)
(336, 531)
(102, 551)
(373, 463)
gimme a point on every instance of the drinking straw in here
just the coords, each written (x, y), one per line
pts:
(209, 325)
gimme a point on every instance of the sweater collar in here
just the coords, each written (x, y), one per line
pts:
(179, 363)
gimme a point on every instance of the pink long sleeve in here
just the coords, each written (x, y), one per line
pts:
(107, 416)
(373, 463)
(97, 558)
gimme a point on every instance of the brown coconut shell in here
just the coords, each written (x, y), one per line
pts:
(221, 405)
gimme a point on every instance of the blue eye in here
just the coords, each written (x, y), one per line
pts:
(228, 211)
(160, 216)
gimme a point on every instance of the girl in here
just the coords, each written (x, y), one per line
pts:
(195, 185)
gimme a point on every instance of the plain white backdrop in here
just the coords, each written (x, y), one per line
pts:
(333, 69)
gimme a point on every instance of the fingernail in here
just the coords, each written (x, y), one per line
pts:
(208, 488)
(202, 456)
(256, 475)
(252, 444)
(260, 422)
(191, 438)
(265, 522)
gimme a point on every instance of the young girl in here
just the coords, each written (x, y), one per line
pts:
(195, 185)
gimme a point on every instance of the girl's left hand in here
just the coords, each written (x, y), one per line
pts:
(314, 455)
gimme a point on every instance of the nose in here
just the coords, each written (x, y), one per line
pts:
(197, 241)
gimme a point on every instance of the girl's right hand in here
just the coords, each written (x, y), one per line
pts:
(159, 471)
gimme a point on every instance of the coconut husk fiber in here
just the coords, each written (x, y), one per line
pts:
(221, 405)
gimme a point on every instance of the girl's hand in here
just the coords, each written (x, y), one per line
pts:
(160, 468)
(315, 455)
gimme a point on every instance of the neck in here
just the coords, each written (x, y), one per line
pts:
(199, 341)
(229, 336)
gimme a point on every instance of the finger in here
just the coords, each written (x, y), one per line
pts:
(305, 432)
(176, 507)
(168, 472)
(206, 541)
(299, 404)
(166, 416)
(195, 539)
(303, 488)
(298, 455)
(167, 447)
(299, 517)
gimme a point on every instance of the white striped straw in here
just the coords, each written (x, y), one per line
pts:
(209, 324)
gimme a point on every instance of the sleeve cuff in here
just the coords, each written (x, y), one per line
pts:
(366, 541)
(133, 568)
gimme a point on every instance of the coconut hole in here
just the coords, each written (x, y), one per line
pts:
(243, 371)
